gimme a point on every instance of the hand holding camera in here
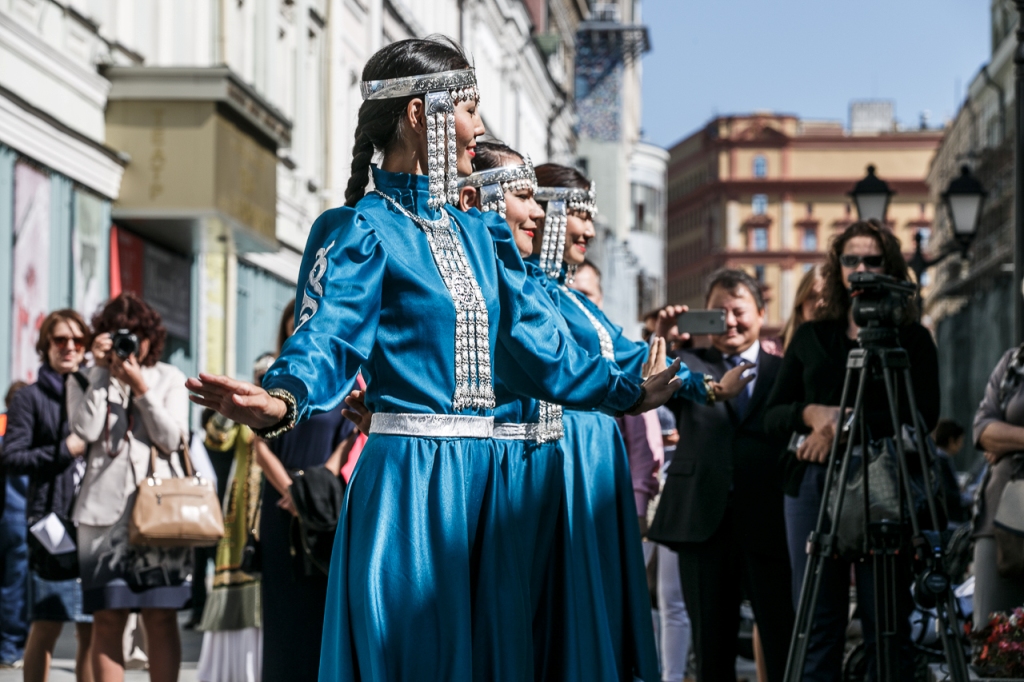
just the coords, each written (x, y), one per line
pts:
(120, 353)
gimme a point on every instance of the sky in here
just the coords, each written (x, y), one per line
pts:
(807, 57)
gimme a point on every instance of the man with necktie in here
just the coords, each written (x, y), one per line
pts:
(721, 507)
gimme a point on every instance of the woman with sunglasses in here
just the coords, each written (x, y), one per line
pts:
(805, 400)
(39, 444)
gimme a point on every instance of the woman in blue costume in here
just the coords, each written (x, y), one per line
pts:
(609, 635)
(424, 581)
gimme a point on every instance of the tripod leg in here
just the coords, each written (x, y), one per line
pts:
(950, 629)
(811, 585)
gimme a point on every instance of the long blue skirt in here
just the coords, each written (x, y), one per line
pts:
(610, 633)
(537, 497)
(424, 582)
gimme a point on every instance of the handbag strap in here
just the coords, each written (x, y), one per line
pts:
(186, 459)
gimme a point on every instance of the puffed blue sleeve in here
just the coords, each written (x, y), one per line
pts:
(538, 357)
(337, 309)
(630, 355)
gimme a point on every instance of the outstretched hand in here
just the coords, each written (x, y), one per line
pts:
(655, 357)
(659, 387)
(239, 401)
(733, 382)
(357, 412)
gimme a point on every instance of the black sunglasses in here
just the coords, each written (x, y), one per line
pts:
(851, 261)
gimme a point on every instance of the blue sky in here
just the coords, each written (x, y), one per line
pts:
(807, 57)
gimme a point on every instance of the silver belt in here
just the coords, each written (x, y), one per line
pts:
(432, 425)
(534, 432)
(516, 431)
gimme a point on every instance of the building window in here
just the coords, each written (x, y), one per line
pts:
(648, 210)
(759, 273)
(759, 239)
(760, 166)
(810, 242)
(759, 204)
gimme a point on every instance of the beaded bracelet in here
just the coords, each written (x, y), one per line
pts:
(287, 422)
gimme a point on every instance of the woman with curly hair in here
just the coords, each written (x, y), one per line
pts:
(132, 403)
(806, 400)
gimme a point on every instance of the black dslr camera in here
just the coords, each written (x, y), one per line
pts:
(879, 300)
(125, 344)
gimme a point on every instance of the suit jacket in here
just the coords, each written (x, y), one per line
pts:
(724, 463)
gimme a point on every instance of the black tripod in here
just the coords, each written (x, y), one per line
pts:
(880, 352)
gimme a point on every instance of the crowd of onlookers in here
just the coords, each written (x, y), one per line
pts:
(76, 445)
(726, 493)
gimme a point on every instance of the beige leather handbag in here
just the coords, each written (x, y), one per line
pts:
(176, 512)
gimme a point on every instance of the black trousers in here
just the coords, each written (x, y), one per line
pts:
(714, 576)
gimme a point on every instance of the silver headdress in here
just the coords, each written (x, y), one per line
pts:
(443, 91)
(494, 182)
(560, 201)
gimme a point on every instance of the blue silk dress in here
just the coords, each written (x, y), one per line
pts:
(609, 631)
(424, 581)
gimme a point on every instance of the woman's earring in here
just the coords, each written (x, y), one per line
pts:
(570, 274)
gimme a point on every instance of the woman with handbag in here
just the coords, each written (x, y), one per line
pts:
(134, 407)
(39, 444)
(999, 431)
(805, 400)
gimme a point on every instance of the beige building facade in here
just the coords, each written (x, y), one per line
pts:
(766, 192)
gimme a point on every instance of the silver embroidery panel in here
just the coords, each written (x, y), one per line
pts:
(605, 339)
(309, 304)
(473, 386)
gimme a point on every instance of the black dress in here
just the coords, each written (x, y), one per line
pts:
(293, 605)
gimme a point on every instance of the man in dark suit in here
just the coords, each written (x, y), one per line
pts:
(721, 507)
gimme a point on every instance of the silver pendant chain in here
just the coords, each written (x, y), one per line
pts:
(605, 339)
(549, 425)
(473, 388)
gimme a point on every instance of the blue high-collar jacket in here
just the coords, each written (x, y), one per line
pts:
(370, 298)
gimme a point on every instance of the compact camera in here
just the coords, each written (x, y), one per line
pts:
(125, 344)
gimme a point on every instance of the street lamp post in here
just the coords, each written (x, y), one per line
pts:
(963, 199)
(1018, 184)
(871, 196)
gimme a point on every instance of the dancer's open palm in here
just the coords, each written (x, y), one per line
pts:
(240, 401)
(659, 387)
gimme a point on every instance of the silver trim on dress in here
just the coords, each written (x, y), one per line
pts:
(603, 337)
(431, 425)
(473, 384)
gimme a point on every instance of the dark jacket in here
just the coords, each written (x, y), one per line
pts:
(34, 445)
(813, 372)
(723, 464)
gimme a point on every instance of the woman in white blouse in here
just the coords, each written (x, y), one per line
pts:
(133, 403)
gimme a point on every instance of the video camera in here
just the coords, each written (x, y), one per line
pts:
(879, 300)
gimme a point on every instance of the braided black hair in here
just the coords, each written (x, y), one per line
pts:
(379, 120)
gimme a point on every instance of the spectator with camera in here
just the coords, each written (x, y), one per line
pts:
(131, 404)
(806, 401)
(721, 506)
(39, 444)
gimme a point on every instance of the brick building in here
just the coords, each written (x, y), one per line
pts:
(767, 191)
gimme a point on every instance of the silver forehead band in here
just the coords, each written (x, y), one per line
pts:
(461, 84)
(494, 182)
(576, 199)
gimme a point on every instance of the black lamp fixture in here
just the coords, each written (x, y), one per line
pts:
(871, 195)
(964, 199)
